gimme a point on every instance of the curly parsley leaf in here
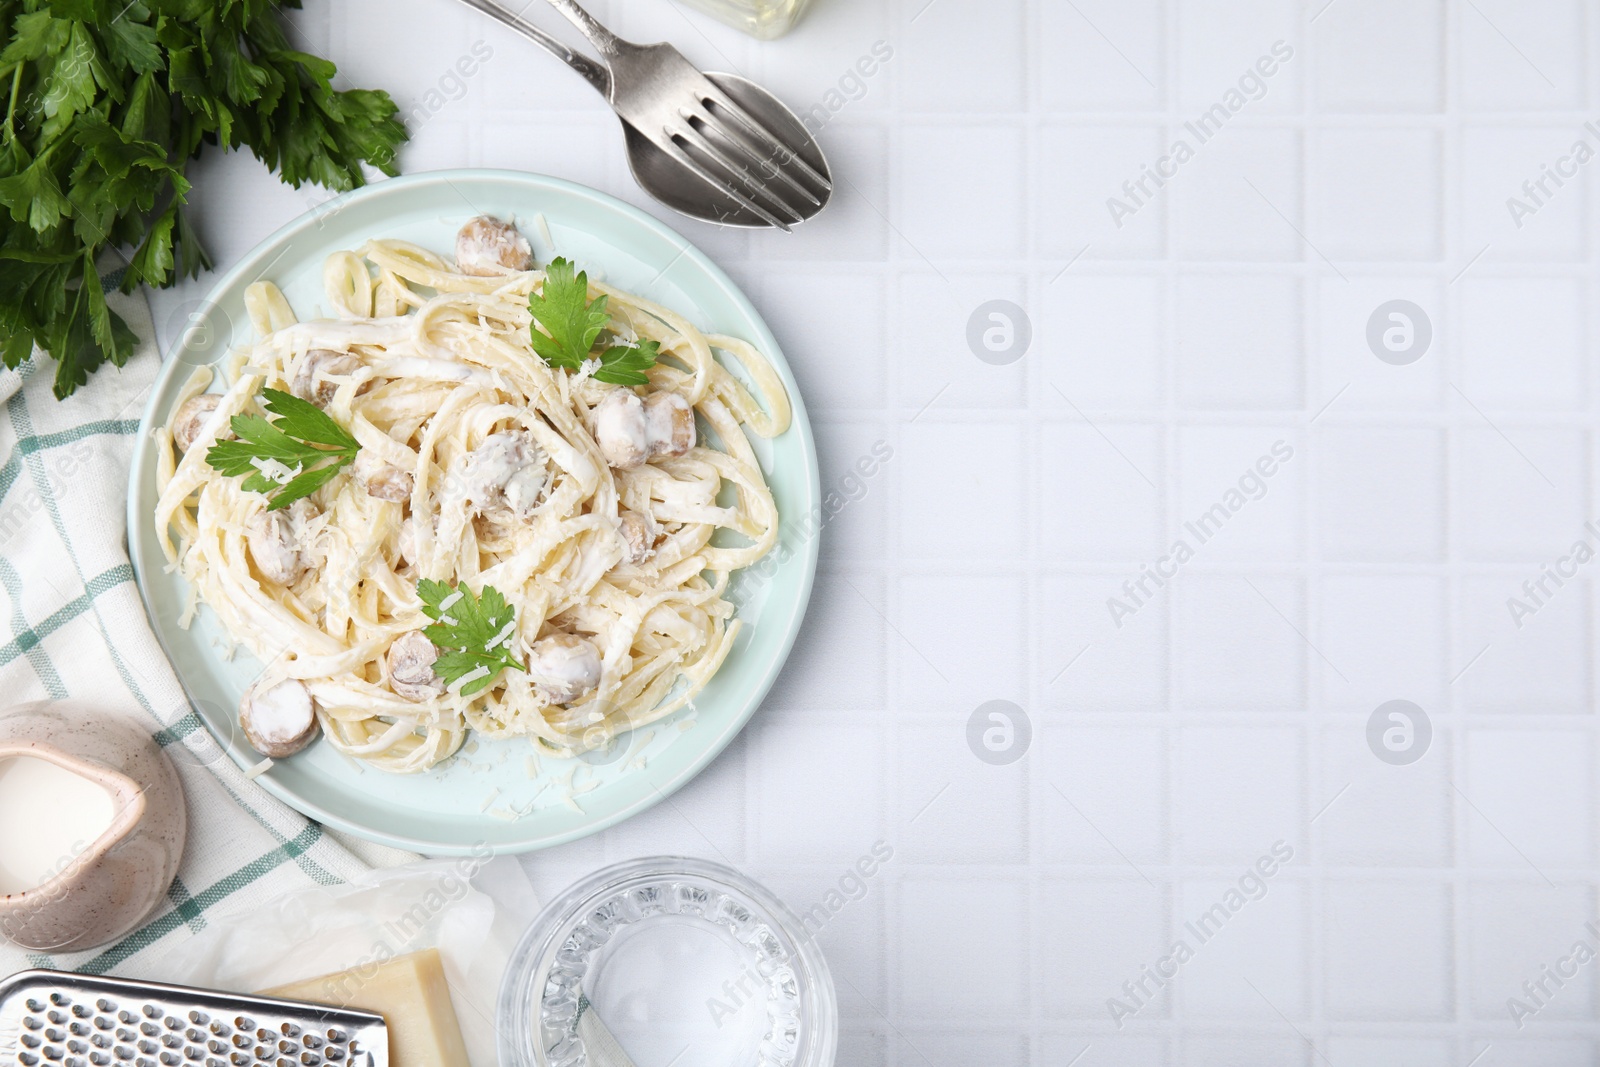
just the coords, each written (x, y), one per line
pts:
(477, 633)
(572, 323)
(289, 458)
(108, 101)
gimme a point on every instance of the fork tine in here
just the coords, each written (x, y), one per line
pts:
(758, 192)
(722, 159)
(675, 150)
(767, 140)
(743, 146)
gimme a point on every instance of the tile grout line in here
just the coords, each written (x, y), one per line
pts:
(1451, 185)
(892, 575)
(1312, 287)
(1171, 505)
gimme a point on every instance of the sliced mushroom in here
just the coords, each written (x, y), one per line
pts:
(563, 667)
(486, 246)
(622, 430)
(638, 535)
(310, 379)
(507, 469)
(274, 538)
(191, 419)
(279, 720)
(381, 479)
(669, 423)
(410, 663)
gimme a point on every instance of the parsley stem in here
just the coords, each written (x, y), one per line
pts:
(11, 107)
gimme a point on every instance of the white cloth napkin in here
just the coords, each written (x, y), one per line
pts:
(74, 626)
(472, 909)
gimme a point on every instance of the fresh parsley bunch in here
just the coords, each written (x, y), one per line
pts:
(289, 458)
(105, 103)
(574, 323)
(477, 632)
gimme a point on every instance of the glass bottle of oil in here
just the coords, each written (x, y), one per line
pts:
(764, 19)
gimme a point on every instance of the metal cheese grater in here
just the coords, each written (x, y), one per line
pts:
(57, 1019)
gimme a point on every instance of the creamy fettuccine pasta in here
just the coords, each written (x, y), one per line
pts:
(609, 517)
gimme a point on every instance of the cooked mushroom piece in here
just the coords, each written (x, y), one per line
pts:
(279, 720)
(563, 667)
(310, 379)
(410, 663)
(638, 535)
(381, 479)
(523, 488)
(507, 468)
(486, 246)
(622, 430)
(191, 419)
(669, 423)
(274, 541)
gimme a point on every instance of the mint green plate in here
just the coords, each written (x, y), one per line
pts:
(473, 799)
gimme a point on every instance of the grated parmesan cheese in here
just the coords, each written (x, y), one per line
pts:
(504, 635)
(252, 773)
(471, 676)
(275, 470)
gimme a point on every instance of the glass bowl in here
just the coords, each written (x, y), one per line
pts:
(762, 19)
(681, 961)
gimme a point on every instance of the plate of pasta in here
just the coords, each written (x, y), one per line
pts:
(471, 510)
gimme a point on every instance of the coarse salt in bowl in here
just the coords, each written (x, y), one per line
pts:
(678, 961)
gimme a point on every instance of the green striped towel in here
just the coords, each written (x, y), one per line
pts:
(74, 626)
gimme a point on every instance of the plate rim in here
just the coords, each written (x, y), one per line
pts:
(792, 620)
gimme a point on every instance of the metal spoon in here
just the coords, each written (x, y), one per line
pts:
(715, 147)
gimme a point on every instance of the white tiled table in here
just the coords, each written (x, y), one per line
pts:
(1229, 312)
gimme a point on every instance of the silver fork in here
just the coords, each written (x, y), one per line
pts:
(714, 146)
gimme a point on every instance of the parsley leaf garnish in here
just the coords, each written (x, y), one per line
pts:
(477, 632)
(626, 364)
(282, 457)
(105, 103)
(564, 310)
(572, 323)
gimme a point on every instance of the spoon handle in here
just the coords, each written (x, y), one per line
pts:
(606, 42)
(593, 72)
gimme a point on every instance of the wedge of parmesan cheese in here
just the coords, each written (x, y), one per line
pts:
(409, 992)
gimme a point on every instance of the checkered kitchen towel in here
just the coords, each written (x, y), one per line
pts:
(74, 626)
